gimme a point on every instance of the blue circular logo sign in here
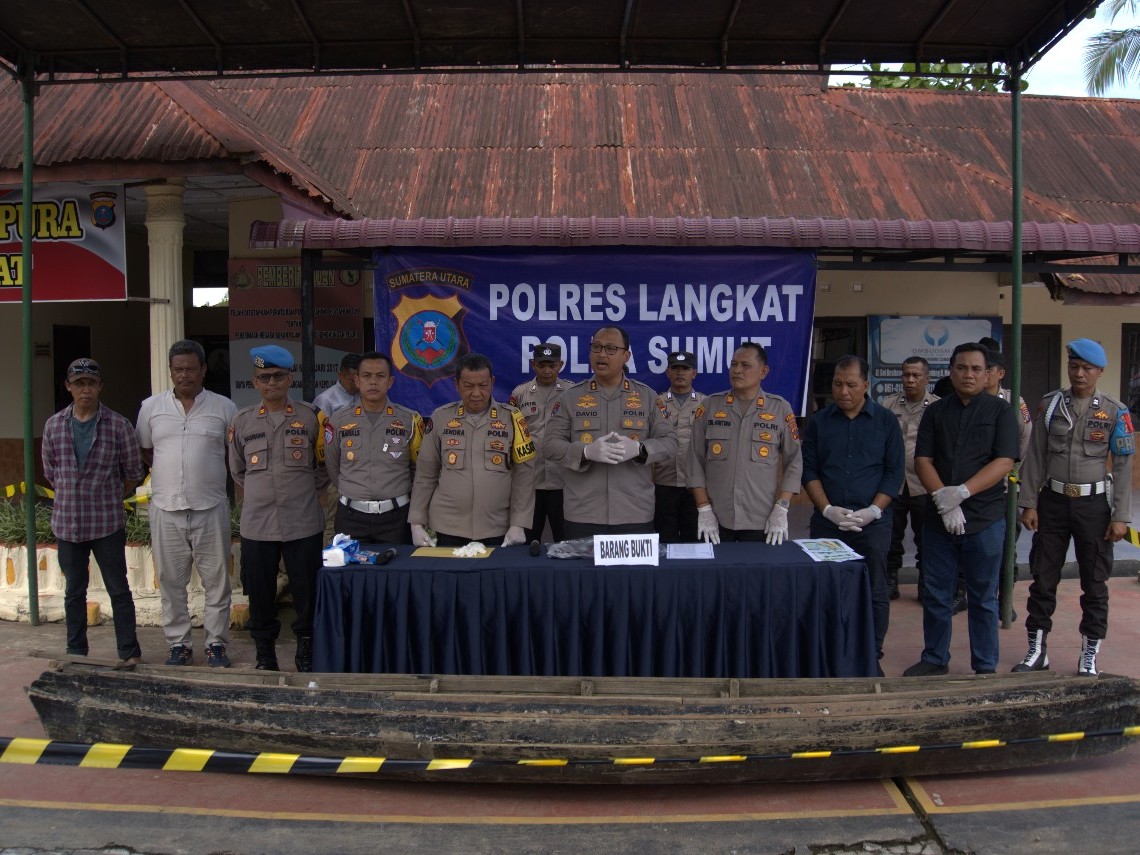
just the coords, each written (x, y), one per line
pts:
(429, 340)
(936, 334)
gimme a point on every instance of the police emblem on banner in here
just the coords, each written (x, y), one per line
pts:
(103, 209)
(429, 337)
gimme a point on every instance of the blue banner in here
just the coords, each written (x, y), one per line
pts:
(435, 305)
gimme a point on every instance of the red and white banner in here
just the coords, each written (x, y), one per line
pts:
(79, 247)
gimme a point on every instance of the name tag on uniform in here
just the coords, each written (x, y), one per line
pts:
(626, 549)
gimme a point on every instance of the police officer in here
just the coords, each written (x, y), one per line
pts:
(1082, 444)
(675, 517)
(370, 454)
(475, 474)
(908, 407)
(744, 459)
(604, 431)
(276, 456)
(995, 374)
(535, 400)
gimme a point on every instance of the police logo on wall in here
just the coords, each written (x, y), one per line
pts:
(429, 337)
(103, 209)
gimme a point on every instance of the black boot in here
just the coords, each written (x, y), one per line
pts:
(266, 655)
(304, 657)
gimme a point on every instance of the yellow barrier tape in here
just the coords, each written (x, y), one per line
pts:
(725, 758)
(361, 764)
(187, 760)
(1067, 737)
(634, 761)
(11, 490)
(270, 764)
(899, 749)
(811, 755)
(105, 755)
(24, 751)
(984, 743)
(445, 763)
(545, 762)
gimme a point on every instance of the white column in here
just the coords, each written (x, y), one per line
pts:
(164, 225)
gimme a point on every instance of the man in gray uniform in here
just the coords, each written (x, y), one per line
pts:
(604, 431)
(182, 434)
(908, 407)
(370, 454)
(277, 458)
(1082, 445)
(535, 400)
(742, 439)
(475, 473)
(675, 517)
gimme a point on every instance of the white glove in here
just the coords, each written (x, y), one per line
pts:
(603, 450)
(777, 526)
(865, 516)
(708, 526)
(420, 537)
(841, 517)
(515, 534)
(630, 448)
(955, 521)
(947, 499)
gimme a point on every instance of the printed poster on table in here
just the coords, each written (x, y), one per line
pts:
(435, 305)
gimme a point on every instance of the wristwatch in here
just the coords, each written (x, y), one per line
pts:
(783, 503)
(642, 453)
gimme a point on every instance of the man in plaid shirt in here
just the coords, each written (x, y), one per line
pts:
(91, 457)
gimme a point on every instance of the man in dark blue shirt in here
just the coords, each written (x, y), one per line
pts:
(854, 464)
(967, 443)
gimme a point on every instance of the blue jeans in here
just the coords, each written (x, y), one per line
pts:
(979, 556)
(73, 561)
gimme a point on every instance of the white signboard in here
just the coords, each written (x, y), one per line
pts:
(626, 549)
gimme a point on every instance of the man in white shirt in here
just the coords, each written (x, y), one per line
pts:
(182, 433)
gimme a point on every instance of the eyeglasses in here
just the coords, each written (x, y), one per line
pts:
(272, 377)
(608, 349)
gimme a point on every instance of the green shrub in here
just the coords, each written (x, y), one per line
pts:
(13, 526)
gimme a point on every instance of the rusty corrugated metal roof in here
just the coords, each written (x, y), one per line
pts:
(692, 145)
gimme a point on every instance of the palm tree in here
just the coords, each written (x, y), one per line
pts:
(1113, 56)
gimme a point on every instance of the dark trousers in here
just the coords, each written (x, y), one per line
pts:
(74, 561)
(547, 508)
(576, 530)
(905, 509)
(872, 543)
(742, 535)
(259, 562)
(1085, 519)
(391, 527)
(675, 516)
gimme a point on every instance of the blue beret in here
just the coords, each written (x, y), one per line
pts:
(1089, 351)
(272, 356)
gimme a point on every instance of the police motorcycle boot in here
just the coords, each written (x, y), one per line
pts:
(266, 655)
(1036, 659)
(1086, 665)
(304, 657)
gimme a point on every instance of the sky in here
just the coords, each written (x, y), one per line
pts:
(1061, 71)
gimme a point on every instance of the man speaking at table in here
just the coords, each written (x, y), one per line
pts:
(744, 456)
(605, 430)
(854, 462)
(475, 473)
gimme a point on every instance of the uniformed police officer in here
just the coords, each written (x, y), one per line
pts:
(1081, 445)
(908, 407)
(535, 400)
(604, 431)
(675, 517)
(742, 439)
(995, 374)
(475, 474)
(370, 454)
(276, 455)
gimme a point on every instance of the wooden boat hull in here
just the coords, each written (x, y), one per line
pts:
(499, 721)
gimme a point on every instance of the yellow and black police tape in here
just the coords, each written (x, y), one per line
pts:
(48, 493)
(105, 755)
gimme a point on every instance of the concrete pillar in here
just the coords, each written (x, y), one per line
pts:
(164, 225)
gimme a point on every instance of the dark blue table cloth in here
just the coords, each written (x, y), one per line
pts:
(753, 611)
